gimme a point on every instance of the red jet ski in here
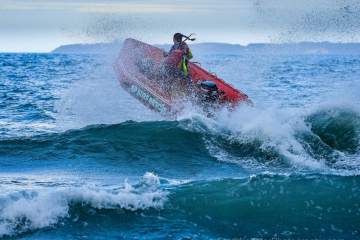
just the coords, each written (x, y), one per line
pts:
(137, 66)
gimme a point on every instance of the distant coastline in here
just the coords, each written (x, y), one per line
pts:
(218, 48)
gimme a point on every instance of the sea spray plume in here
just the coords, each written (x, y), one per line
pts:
(340, 22)
(115, 24)
(89, 101)
(102, 26)
(31, 210)
(323, 20)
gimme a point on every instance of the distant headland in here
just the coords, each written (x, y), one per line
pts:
(218, 48)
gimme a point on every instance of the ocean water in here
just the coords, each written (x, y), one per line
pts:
(82, 159)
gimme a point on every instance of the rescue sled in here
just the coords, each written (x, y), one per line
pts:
(137, 66)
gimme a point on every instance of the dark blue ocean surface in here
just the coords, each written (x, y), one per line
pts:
(82, 159)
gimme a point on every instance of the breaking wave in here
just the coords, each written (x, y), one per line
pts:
(29, 210)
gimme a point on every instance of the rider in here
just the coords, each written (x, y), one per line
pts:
(177, 58)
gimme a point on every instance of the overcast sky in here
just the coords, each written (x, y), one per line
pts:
(41, 26)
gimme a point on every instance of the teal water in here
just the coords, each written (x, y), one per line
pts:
(81, 159)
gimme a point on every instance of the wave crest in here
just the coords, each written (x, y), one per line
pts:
(31, 210)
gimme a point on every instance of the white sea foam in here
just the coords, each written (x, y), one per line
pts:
(275, 128)
(30, 210)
